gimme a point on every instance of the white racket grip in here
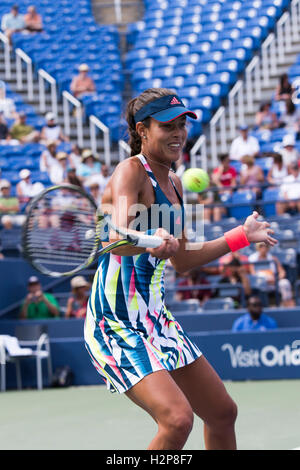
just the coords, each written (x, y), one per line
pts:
(149, 241)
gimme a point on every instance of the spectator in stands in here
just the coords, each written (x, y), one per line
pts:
(101, 179)
(75, 156)
(234, 272)
(244, 144)
(205, 198)
(278, 171)
(72, 178)
(290, 118)
(59, 170)
(33, 20)
(254, 319)
(23, 132)
(289, 152)
(7, 105)
(284, 90)
(8, 204)
(94, 189)
(48, 156)
(89, 166)
(290, 192)
(77, 302)
(4, 132)
(251, 175)
(82, 84)
(273, 274)
(193, 278)
(25, 189)
(12, 22)
(265, 118)
(37, 304)
(236, 255)
(224, 177)
(52, 131)
(10, 237)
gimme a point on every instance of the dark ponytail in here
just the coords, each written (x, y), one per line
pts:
(134, 105)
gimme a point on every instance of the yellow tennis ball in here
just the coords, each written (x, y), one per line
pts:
(195, 180)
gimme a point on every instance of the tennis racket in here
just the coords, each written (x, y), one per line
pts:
(64, 231)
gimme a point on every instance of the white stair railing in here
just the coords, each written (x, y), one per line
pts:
(198, 153)
(124, 150)
(257, 74)
(7, 59)
(95, 124)
(219, 117)
(44, 78)
(69, 103)
(22, 57)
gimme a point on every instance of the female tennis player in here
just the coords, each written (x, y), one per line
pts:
(133, 340)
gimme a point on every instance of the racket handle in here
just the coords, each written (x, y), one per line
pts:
(149, 241)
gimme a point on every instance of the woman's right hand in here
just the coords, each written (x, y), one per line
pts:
(168, 248)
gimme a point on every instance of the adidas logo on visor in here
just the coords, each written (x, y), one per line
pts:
(174, 100)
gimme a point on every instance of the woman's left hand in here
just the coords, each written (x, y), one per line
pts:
(258, 231)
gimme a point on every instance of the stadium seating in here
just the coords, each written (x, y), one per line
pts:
(71, 37)
(227, 32)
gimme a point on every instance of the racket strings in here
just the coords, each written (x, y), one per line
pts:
(61, 231)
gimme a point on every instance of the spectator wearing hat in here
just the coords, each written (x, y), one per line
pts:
(244, 144)
(8, 204)
(59, 170)
(82, 84)
(289, 152)
(38, 304)
(290, 191)
(23, 132)
(89, 166)
(52, 131)
(12, 22)
(77, 302)
(33, 20)
(25, 189)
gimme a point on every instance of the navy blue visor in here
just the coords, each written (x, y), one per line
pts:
(164, 109)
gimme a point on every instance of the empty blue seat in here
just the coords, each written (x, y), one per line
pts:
(270, 194)
(245, 204)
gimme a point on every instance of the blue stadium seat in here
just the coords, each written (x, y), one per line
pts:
(270, 194)
(245, 207)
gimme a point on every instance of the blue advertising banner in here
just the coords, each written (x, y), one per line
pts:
(252, 356)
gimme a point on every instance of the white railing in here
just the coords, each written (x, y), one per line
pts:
(253, 82)
(236, 107)
(124, 150)
(268, 58)
(7, 59)
(44, 78)
(257, 74)
(219, 117)
(69, 104)
(95, 124)
(22, 57)
(118, 11)
(199, 153)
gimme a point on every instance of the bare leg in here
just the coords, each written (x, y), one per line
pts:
(210, 401)
(159, 395)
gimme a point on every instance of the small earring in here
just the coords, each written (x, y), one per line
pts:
(144, 137)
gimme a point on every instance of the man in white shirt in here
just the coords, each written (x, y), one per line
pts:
(290, 191)
(12, 22)
(100, 179)
(243, 145)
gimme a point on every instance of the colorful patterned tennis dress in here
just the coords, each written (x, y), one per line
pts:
(129, 333)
